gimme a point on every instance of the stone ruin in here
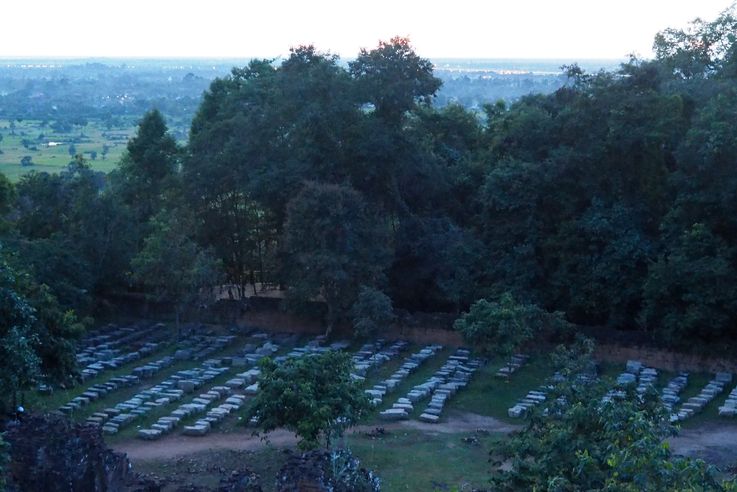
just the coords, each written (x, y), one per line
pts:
(48, 453)
(323, 471)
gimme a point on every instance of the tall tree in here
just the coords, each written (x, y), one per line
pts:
(172, 266)
(702, 49)
(394, 78)
(334, 244)
(150, 164)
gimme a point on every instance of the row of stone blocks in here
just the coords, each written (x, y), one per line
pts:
(696, 404)
(201, 403)
(635, 373)
(454, 375)
(540, 395)
(729, 409)
(115, 338)
(203, 346)
(115, 418)
(445, 382)
(104, 351)
(670, 394)
(409, 366)
(196, 406)
(96, 368)
(138, 373)
(515, 363)
(373, 355)
(97, 391)
(162, 394)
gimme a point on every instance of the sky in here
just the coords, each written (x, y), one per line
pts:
(560, 29)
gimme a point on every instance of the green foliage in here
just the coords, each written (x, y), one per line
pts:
(36, 335)
(690, 292)
(394, 78)
(335, 245)
(701, 49)
(147, 170)
(437, 264)
(314, 396)
(76, 238)
(371, 312)
(7, 194)
(171, 265)
(323, 177)
(4, 460)
(501, 327)
(576, 442)
(348, 476)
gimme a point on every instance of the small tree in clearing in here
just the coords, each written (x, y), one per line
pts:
(314, 396)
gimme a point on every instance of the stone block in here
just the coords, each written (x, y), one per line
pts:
(149, 434)
(186, 385)
(195, 430)
(394, 414)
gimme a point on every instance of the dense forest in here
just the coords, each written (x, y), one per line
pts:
(610, 200)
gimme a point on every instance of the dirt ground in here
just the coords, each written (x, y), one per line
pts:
(714, 443)
(179, 460)
(177, 446)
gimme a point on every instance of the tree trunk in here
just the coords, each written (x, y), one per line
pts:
(329, 327)
(179, 328)
(261, 266)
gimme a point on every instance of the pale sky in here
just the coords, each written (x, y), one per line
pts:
(570, 29)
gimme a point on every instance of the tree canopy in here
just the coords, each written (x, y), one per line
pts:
(314, 396)
(610, 201)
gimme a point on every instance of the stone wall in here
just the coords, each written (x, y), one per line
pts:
(265, 313)
(664, 359)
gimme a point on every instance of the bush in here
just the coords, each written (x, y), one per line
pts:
(372, 311)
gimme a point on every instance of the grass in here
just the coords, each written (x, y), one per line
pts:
(86, 140)
(696, 381)
(413, 460)
(489, 395)
(407, 460)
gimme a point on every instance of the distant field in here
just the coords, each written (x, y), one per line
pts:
(50, 151)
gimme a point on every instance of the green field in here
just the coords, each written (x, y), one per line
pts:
(49, 151)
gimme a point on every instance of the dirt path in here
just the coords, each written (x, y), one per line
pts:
(715, 443)
(176, 445)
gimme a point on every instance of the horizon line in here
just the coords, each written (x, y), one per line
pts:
(213, 58)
